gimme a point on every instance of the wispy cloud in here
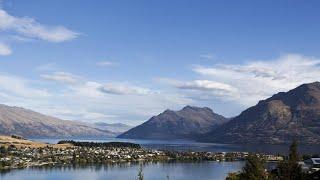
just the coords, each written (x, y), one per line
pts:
(80, 114)
(106, 63)
(31, 28)
(203, 89)
(207, 56)
(5, 50)
(13, 87)
(83, 99)
(62, 77)
(206, 85)
(49, 67)
(124, 89)
(257, 80)
(25, 29)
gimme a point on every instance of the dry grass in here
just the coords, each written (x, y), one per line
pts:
(7, 140)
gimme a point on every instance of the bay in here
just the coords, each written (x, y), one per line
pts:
(129, 171)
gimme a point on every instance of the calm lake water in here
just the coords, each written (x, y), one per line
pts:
(151, 171)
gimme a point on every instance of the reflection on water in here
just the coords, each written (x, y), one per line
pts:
(183, 145)
(123, 171)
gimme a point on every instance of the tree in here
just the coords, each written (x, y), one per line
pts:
(74, 158)
(293, 153)
(290, 169)
(253, 169)
(3, 151)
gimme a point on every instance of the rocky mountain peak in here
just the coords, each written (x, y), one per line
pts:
(186, 123)
(279, 119)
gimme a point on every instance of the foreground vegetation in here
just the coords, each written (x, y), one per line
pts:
(288, 169)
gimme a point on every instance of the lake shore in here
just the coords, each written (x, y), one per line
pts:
(17, 153)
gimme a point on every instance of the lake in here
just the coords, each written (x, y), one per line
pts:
(151, 171)
(184, 145)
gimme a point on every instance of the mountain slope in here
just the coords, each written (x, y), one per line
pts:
(27, 123)
(184, 124)
(278, 119)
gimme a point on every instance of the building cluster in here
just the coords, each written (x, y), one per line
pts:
(14, 157)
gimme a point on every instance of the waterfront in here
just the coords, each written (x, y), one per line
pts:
(153, 171)
(155, 164)
(14, 154)
(102, 159)
(183, 145)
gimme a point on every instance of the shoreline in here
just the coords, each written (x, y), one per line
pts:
(21, 153)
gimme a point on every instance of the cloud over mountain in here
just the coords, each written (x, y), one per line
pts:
(259, 79)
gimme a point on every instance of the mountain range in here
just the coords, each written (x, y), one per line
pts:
(188, 123)
(279, 119)
(27, 123)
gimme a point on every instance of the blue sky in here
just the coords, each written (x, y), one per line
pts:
(124, 61)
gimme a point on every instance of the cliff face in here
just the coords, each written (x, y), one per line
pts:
(187, 123)
(279, 119)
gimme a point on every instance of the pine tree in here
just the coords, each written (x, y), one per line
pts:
(290, 169)
(293, 153)
(3, 151)
(253, 169)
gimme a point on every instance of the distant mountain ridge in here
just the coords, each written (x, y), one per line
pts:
(27, 123)
(117, 128)
(187, 123)
(279, 119)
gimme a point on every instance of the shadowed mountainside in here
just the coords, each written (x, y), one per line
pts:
(279, 119)
(187, 123)
(27, 123)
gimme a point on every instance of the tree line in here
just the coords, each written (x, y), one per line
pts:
(100, 144)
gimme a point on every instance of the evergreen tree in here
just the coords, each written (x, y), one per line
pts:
(254, 169)
(3, 151)
(74, 158)
(293, 153)
(290, 169)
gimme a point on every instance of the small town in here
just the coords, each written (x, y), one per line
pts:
(71, 152)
